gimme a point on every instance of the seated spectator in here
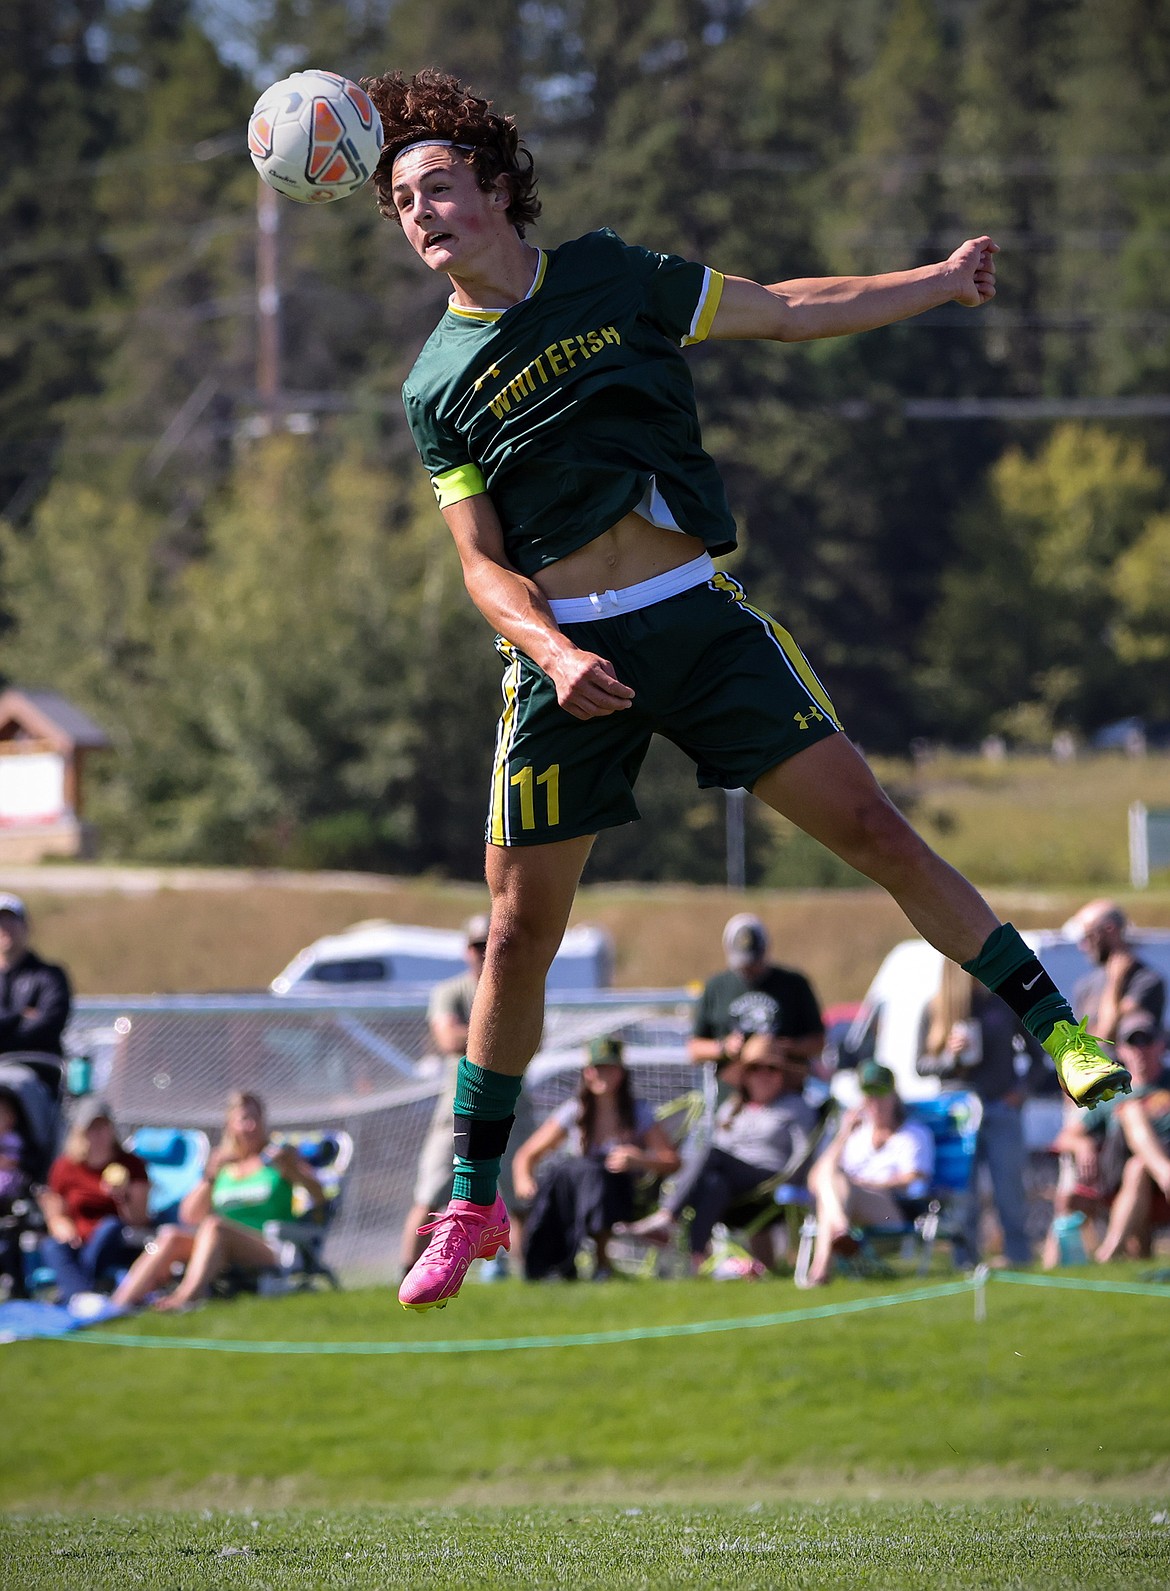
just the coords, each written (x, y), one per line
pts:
(614, 1139)
(1095, 1149)
(14, 1183)
(764, 1129)
(13, 1180)
(877, 1160)
(247, 1181)
(1140, 1127)
(96, 1189)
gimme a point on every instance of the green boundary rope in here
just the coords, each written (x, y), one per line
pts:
(590, 1339)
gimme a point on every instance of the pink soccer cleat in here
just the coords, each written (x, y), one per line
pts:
(464, 1232)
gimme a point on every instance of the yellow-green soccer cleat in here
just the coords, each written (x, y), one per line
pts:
(1087, 1074)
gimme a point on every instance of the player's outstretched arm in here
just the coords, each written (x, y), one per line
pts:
(834, 306)
(586, 684)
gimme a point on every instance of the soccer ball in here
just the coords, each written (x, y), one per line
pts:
(315, 136)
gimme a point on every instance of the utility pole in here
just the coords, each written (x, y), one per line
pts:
(736, 839)
(268, 302)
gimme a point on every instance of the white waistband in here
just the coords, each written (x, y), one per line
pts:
(608, 604)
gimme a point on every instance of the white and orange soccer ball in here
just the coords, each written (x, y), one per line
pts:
(315, 136)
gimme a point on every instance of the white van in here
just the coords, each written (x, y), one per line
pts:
(393, 957)
(889, 1026)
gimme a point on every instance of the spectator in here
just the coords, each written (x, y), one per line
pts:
(755, 996)
(96, 1189)
(448, 1016)
(34, 994)
(1136, 1152)
(14, 1182)
(1121, 981)
(1093, 1151)
(13, 1150)
(974, 1042)
(1121, 989)
(877, 1160)
(247, 1182)
(763, 1130)
(613, 1140)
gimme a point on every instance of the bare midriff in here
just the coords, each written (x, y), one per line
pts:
(627, 553)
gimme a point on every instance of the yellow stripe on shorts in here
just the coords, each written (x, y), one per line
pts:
(796, 658)
(505, 735)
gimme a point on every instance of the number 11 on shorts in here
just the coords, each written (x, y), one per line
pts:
(526, 779)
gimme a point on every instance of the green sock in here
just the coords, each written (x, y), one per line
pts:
(484, 1106)
(1008, 968)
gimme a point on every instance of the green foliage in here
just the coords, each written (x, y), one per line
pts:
(55, 120)
(945, 579)
(1054, 554)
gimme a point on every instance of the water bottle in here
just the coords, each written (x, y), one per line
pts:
(971, 1034)
(1070, 1244)
(78, 1076)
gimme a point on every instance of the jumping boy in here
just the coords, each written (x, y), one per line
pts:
(554, 412)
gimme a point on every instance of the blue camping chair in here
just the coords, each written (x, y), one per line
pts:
(953, 1122)
(175, 1158)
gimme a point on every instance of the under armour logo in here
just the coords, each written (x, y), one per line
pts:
(805, 719)
(494, 371)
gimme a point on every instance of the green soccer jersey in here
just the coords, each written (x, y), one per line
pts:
(575, 405)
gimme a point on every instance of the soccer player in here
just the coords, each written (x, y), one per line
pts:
(555, 414)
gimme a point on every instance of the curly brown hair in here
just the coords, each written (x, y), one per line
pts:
(432, 104)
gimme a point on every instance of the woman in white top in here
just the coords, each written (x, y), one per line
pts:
(876, 1159)
(613, 1139)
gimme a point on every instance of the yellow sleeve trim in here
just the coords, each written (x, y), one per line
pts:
(706, 308)
(452, 486)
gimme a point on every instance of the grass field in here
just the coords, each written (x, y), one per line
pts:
(1030, 819)
(901, 1445)
(903, 1547)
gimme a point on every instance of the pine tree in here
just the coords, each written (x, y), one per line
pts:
(55, 121)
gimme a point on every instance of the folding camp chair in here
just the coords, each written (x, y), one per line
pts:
(679, 1117)
(953, 1121)
(300, 1243)
(783, 1197)
(175, 1158)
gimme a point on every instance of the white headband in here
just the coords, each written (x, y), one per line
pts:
(426, 143)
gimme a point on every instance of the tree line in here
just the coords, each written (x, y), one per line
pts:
(965, 519)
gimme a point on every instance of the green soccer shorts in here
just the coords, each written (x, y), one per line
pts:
(720, 678)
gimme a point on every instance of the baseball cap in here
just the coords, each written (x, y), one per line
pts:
(874, 1078)
(745, 939)
(13, 904)
(1137, 1027)
(607, 1051)
(91, 1109)
(476, 928)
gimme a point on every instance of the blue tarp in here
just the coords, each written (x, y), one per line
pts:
(21, 1318)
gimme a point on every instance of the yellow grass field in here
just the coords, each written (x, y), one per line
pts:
(129, 931)
(1039, 837)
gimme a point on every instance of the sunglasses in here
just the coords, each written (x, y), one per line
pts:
(765, 1066)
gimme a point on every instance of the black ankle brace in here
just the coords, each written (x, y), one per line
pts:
(481, 1140)
(1026, 987)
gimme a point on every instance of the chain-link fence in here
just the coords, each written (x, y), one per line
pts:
(362, 1065)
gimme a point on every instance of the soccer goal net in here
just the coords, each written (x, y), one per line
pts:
(365, 1068)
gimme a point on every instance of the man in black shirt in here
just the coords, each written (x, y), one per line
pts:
(754, 996)
(34, 995)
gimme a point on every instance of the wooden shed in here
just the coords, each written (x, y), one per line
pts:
(44, 744)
